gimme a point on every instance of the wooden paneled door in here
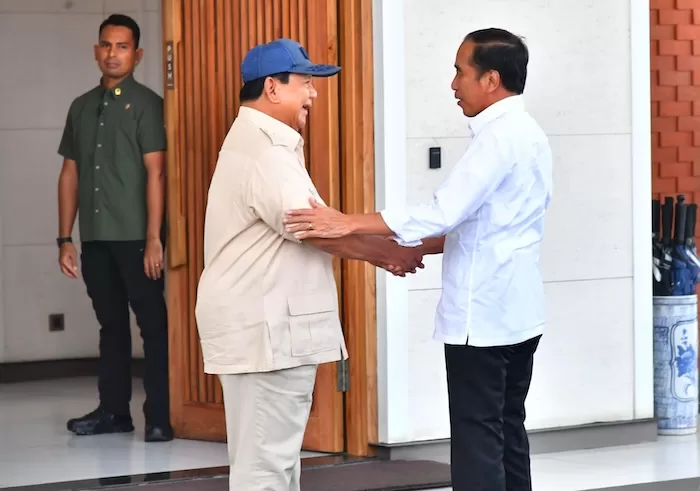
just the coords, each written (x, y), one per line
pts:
(204, 43)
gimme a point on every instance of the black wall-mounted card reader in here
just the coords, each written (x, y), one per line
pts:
(434, 159)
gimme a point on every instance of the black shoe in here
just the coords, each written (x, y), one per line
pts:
(158, 433)
(100, 422)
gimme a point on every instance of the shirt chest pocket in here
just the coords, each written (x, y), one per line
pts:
(125, 125)
(313, 323)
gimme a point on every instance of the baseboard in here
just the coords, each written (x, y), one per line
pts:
(597, 435)
(35, 371)
(691, 484)
(541, 441)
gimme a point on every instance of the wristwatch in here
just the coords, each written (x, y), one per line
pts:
(63, 240)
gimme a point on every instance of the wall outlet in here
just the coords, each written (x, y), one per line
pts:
(56, 323)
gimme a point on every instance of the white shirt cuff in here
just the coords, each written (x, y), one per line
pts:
(395, 220)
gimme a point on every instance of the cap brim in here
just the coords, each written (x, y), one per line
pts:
(317, 70)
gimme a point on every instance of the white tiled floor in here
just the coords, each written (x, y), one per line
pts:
(667, 459)
(36, 448)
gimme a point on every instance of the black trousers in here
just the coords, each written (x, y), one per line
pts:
(487, 389)
(115, 278)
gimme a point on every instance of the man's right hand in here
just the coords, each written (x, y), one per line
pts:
(402, 260)
(68, 260)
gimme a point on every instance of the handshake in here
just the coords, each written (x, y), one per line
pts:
(372, 245)
(396, 259)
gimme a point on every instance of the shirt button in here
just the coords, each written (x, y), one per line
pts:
(97, 189)
(99, 145)
(102, 124)
(106, 103)
(97, 167)
(97, 211)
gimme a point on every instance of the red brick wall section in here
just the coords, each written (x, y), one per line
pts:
(675, 96)
(675, 99)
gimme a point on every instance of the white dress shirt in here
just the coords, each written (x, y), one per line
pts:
(491, 209)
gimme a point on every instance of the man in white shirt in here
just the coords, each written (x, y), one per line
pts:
(488, 220)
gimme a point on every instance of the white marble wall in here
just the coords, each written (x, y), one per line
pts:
(46, 51)
(579, 90)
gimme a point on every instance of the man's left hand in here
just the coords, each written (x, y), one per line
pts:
(153, 259)
(317, 222)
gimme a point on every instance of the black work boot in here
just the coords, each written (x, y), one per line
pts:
(100, 422)
(158, 433)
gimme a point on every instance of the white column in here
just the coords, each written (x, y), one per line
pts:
(641, 209)
(390, 168)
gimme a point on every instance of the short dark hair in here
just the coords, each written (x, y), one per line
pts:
(503, 52)
(122, 20)
(253, 89)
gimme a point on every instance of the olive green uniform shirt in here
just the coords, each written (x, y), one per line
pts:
(107, 133)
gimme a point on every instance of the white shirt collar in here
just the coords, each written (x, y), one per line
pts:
(494, 111)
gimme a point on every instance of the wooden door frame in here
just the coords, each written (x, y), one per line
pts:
(357, 195)
(357, 184)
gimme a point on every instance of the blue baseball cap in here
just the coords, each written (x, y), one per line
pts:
(281, 56)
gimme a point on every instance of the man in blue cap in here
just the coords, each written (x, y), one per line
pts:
(267, 306)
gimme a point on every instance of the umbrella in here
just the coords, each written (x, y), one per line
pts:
(657, 248)
(690, 248)
(682, 271)
(664, 286)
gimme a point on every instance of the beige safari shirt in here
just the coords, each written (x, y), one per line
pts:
(265, 301)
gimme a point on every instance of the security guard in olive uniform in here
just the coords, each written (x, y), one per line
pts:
(114, 147)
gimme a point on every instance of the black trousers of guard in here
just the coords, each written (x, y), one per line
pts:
(115, 278)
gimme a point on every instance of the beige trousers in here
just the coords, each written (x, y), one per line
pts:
(266, 416)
